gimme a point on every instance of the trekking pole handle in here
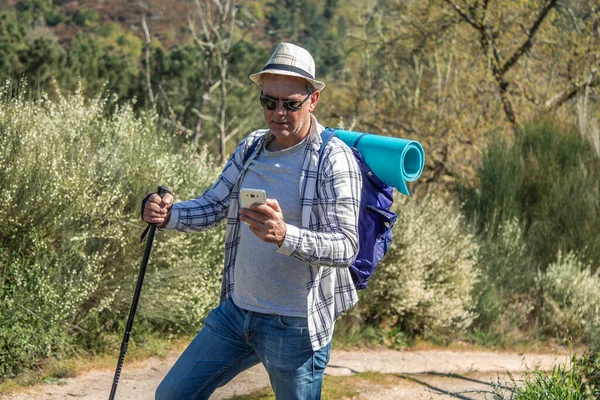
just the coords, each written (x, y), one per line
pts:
(162, 190)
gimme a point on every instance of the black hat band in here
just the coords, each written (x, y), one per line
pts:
(289, 68)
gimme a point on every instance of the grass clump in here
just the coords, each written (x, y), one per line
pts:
(578, 381)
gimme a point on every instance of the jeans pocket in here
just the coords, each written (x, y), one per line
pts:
(299, 323)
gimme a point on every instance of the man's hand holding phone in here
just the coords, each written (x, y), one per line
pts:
(263, 216)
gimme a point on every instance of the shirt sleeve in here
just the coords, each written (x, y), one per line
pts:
(335, 241)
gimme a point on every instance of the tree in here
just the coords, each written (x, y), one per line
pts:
(478, 16)
(12, 43)
(419, 70)
(102, 65)
(498, 30)
(42, 62)
(33, 12)
(311, 25)
(216, 40)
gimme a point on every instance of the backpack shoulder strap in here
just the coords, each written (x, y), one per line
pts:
(355, 145)
(326, 136)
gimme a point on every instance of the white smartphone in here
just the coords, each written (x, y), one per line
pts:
(251, 196)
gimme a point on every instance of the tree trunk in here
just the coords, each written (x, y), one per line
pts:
(222, 125)
(205, 95)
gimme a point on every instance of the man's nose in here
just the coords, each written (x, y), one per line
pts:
(279, 109)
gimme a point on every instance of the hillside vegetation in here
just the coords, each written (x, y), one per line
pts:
(499, 243)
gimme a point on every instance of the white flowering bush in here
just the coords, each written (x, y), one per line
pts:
(425, 282)
(73, 177)
(570, 297)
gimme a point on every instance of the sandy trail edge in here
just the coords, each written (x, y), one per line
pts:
(427, 374)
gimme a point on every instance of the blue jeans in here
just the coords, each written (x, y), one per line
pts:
(233, 340)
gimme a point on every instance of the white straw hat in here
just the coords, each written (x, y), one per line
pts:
(289, 59)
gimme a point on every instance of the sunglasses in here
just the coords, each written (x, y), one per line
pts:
(288, 105)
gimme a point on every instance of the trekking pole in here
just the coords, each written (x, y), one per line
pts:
(136, 296)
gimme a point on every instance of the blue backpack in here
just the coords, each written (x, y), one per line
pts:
(375, 219)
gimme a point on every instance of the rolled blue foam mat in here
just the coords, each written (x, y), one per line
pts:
(395, 161)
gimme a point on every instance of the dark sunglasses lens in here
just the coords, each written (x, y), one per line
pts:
(292, 105)
(269, 104)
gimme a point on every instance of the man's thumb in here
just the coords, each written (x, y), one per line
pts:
(274, 204)
(167, 200)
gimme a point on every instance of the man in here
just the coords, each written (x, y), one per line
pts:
(286, 276)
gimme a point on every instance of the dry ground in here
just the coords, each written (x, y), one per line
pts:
(409, 374)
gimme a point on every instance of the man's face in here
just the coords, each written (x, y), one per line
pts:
(289, 127)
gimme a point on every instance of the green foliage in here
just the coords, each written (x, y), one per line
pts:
(580, 380)
(34, 11)
(113, 37)
(70, 226)
(34, 6)
(425, 282)
(41, 290)
(102, 66)
(106, 61)
(550, 180)
(504, 304)
(40, 61)
(53, 18)
(570, 298)
(536, 198)
(352, 330)
(12, 36)
(86, 17)
(307, 23)
(178, 77)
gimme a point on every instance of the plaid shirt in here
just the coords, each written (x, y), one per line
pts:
(327, 239)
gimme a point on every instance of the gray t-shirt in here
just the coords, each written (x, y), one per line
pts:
(266, 281)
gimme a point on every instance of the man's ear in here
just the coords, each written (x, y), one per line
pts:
(313, 100)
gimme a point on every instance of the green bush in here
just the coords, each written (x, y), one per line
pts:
(503, 296)
(549, 179)
(72, 181)
(425, 282)
(570, 297)
(40, 294)
(53, 19)
(86, 17)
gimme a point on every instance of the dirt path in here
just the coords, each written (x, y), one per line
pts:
(432, 374)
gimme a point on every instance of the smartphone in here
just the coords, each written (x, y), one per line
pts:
(251, 196)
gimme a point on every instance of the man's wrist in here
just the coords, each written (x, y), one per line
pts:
(290, 240)
(280, 243)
